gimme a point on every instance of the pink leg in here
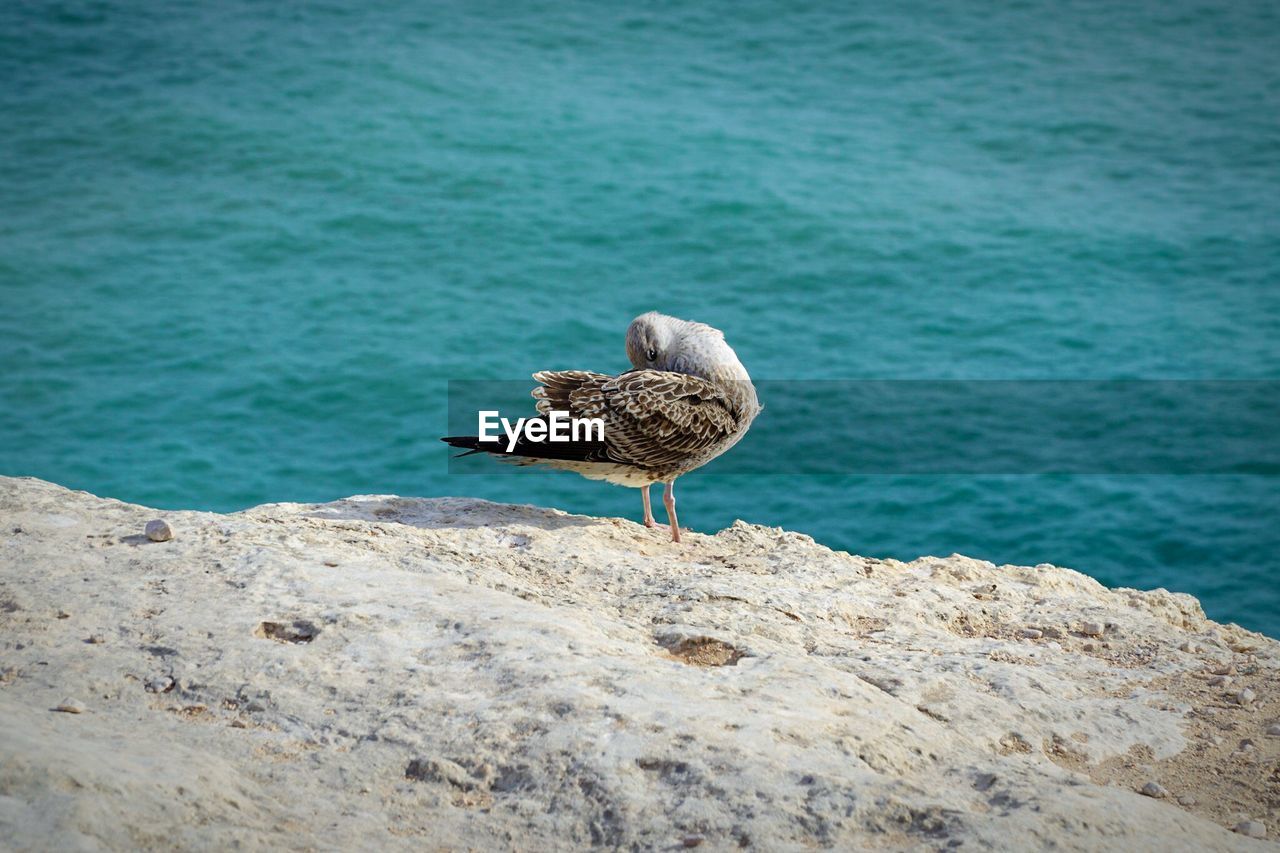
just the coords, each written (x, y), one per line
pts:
(669, 501)
(648, 511)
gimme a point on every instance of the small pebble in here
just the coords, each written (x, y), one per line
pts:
(1092, 629)
(1031, 633)
(691, 840)
(1217, 741)
(1244, 697)
(1186, 800)
(160, 684)
(62, 614)
(1220, 681)
(69, 706)
(158, 530)
(1225, 669)
(1155, 789)
(1251, 828)
(1190, 647)
(1090, 647)
(1273, 730)
(95, 639)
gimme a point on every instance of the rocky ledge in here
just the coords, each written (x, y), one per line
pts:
(385, 672)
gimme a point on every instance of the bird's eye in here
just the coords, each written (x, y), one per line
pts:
(653, 354)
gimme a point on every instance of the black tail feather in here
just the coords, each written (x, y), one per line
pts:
(574, 451)
(471, 442)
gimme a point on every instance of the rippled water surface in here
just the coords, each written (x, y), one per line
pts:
(244, 245)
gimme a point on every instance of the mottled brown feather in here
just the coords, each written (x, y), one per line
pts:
(654, 420)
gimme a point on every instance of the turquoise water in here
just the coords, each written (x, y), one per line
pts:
(244, 246)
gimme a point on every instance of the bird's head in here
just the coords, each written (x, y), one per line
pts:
(652, 340)
(660, 342)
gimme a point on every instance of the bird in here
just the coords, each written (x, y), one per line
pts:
(686, 400)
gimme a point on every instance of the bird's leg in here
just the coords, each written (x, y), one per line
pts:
(669, 501)
(648, 511)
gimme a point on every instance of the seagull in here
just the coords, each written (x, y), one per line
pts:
(687, 400)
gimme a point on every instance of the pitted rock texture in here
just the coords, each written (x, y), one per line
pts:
(389, 673)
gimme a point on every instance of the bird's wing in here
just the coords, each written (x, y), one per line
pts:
(557, 388)
(651, 418)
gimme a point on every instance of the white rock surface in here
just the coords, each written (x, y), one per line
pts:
(389, 673)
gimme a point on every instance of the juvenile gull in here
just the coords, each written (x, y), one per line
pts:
(687, 400)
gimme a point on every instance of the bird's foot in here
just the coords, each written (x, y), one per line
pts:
(649, 522)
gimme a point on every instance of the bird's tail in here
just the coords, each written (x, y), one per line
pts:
(471, 444)
(526, 449)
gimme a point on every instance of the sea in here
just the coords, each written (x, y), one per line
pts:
(245, 247)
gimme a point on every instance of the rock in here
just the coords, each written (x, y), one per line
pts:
(1092, 629)
(1090, 647)
(1186, 800)
(1031, 633)
(1273, 730)
(1155, 789)
(1224, 669)
(95, 639)
(1251, 828)
(158, 530)
(1190, 647)
(439, 770)
(691, 840)
(70, 706)
(1220, 681)
(159, 684)
(588, 687)
(1244, 697)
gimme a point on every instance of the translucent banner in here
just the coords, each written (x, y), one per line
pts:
(969, 427)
